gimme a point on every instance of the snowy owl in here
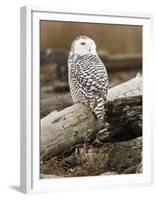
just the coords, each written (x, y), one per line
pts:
(88, 78)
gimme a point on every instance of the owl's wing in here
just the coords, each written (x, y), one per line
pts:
(92, 77)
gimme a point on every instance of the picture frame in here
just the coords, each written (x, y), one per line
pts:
(30, 181)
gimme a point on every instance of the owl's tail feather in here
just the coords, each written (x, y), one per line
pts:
(99, 110)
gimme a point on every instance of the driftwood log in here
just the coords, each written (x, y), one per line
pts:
(62, 131)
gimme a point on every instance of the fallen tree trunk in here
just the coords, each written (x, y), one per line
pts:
(61, 131)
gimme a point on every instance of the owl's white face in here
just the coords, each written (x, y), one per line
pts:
(83, 45)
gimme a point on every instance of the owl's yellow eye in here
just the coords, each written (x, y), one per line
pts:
(83, 43)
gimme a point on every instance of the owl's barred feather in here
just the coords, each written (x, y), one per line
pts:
(88, 79)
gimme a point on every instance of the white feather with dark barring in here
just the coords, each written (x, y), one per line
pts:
(88, 78)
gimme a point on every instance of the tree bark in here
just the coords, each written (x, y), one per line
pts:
(61, 131)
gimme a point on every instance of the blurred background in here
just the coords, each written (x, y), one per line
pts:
(119, 47)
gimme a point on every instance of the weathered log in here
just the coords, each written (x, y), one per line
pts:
(62, 130)
(119, 62)
(109, 159)
(124, 117)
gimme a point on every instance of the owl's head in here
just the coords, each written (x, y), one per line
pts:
(83, 45)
